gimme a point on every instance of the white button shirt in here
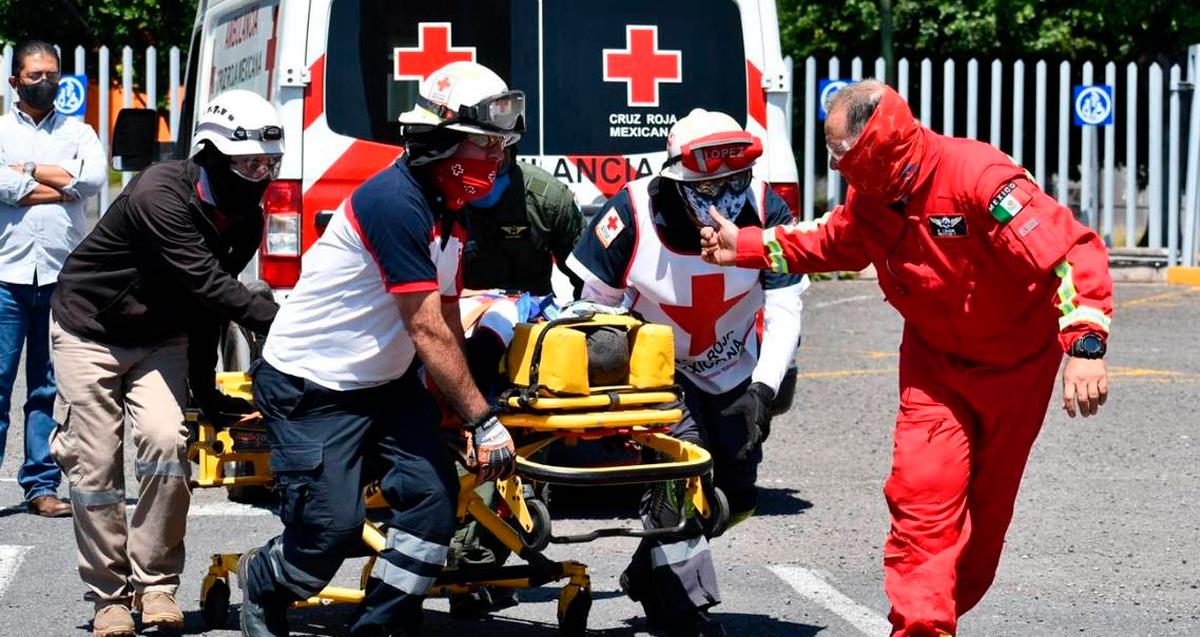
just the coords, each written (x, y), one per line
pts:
(35, 240)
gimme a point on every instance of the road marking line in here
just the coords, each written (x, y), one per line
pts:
(846, 373)
(811, 586)
(1153, 298)
(215, 509)
(849, 299)
(8, 479)
(10, 561)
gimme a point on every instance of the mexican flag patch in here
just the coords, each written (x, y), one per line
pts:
(1006, 205)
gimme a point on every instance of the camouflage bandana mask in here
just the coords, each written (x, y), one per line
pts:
(729, 201)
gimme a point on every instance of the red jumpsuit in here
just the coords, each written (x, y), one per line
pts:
(995, 280)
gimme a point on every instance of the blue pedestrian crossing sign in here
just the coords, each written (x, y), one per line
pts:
(1093, 105)
(825, 90)
(72, 95)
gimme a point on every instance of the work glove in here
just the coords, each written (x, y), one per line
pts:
(491, 450)
(221, 409)
(754, 407)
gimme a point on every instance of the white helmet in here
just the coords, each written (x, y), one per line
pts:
(708, 144)
(240, 122)
(468, 97)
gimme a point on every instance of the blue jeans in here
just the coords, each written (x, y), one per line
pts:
(25, 322)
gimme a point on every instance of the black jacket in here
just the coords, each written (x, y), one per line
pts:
(156, 267)
(512, 245)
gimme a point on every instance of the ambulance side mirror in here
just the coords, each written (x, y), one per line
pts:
(135, 139)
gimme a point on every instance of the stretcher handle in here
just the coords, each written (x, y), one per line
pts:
(672, 533)
(606, 476)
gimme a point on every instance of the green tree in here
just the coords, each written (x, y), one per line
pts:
(115, 23)
(1119, 30)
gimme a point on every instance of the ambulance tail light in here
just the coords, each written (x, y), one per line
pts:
(790, 192)
(279, 259)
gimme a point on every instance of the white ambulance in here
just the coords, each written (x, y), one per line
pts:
(604, 82)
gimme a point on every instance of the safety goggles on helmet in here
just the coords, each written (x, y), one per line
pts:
(713, 188)
(503, 113)
(736, 150)
(240, 134)
(255, 167)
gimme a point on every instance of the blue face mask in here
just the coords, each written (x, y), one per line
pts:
(493, 196)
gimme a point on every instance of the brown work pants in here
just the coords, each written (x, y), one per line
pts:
(99, 386)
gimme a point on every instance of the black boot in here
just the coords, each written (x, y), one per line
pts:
(259, 617)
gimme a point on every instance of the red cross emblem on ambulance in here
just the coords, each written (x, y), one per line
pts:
(642, 65)
(433, 51)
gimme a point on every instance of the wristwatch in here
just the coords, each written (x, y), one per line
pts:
(1089, 346)
(29, 168)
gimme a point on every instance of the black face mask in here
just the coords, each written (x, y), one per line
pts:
(234, 194)
(40, 96)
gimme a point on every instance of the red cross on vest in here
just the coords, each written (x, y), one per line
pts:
(699, 319)
(433, 51)
(642, 66)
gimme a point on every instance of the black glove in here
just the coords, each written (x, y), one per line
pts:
(494, 453)
(221, 409)
(754, 407)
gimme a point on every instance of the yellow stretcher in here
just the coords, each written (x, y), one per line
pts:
(550, 402)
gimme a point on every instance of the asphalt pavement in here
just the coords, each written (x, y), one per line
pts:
(1105, 542)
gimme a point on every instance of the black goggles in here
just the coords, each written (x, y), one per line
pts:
(240, 134)
(503, 113)
(713, 188)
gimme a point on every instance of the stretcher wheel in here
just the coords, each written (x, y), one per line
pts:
(539, 537)
(574, 604)
(214, 604)
(717, 522)
(253, 494)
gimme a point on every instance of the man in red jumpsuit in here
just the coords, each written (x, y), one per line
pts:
(995, 281)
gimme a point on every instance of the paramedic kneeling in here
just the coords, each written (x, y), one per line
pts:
(339, 389)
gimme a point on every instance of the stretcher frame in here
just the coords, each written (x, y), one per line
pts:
(642, 416)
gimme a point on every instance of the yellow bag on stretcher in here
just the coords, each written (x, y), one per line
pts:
(553, 357)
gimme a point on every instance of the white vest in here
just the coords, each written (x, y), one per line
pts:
(713, 309)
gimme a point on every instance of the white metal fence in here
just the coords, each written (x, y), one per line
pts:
(101, 67)
(1160, 171)
(1078, 165)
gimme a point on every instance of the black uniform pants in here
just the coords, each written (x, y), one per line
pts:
(675, 578)
(325, 445)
